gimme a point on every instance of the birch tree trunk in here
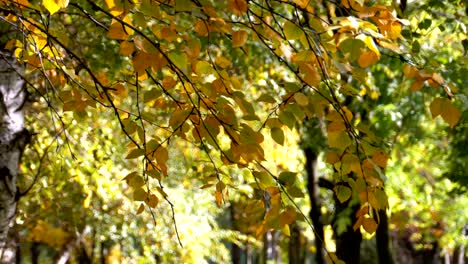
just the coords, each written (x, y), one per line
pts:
(13, 138)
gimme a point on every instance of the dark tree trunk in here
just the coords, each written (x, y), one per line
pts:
(348, 243)
(295, 252)
(315, 203)
(35, 253)
(383, 240)
(236, 251)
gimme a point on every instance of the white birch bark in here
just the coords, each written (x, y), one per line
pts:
(13, 138)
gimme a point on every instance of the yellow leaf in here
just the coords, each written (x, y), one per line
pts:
(292, 31)
(162, 155)
(141, 208)
(369, 41)
(417, 85)
(451, 114)
(54, 5)
(339, 140)
(367, 58)
(310, 73)
(239, 38)
(332, 157)
(287, 217)
(239, 7)
(410, 71)
(168, 82)
(380, 159)
(222, 62)
(139, 194)
(142, 61)
(219, 198)
(152, 201)
(436, 106)
(369, 225)
(286, 231)
(201, 28)
(126, 48)
(301, 99)
(116, 31)
(302, 3)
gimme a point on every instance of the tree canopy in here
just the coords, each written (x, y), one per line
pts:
(212, 96)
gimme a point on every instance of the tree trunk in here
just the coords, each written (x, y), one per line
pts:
(295, 246)
(13, 138)
(348, 243)
(315, 204)
(383, 240)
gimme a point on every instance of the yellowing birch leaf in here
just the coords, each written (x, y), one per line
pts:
(436, 107)
(380, 159)
(239, 7)
(339, 140)
(277, 135)
(135, 153)
(239, 38)
(152, 201)
(219, 198)
(116, 31)
(286, 231)
(179, 59)
(311, 74)
(370, 44)
(367, 58)
(139, 194)
(302, 3)
(301, 99)
(126, 48)
(410, 71)
(291, 31)
(54, 5)
(141, 208)
(369, 225)
(222, 62)
(445, 108)
(343, 193)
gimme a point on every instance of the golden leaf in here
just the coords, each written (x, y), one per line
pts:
(239, 38)
(54, 5)
(367, 58)
(126, 48)
(239, 7)
(117, 31)
(141, 208)
(369, 225)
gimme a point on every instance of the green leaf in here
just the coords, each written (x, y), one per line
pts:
(139, 194)
(352, 48)
(135, 153)
(339, 140)
(287, 118)
(295, 192)
(264, 179)
(291, 31)
(183, 5)
(136, 181)
(179, 59)
(342, 192)
(287, 178)
(204, 67)
(277, 135)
